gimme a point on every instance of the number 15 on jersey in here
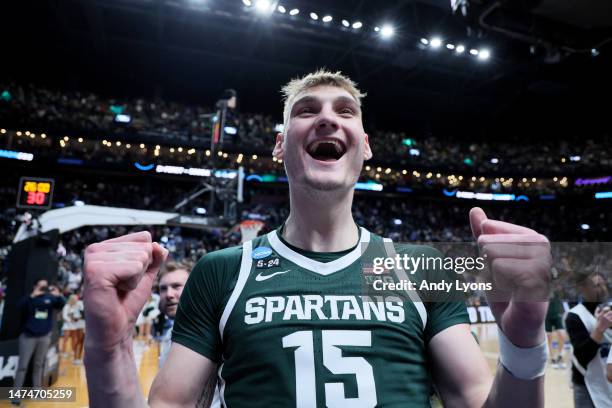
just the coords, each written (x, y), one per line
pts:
(305, 378)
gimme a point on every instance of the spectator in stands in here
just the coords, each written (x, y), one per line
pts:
(169, 122)
(75, 277)
(34, 341)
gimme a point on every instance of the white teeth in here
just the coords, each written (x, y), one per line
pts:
(337, 145)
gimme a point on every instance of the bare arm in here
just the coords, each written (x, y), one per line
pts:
(193, 390)
(461, 374)
(519, 263)
(112, 377)
(463, 378)
(119, 274)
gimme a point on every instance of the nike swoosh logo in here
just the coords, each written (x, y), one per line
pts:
(260, 277)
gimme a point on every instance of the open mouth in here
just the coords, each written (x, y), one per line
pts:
(326, 150)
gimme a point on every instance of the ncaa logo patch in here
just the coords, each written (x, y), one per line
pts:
(261, 252)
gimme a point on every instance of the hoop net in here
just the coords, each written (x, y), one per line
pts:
(249, 229)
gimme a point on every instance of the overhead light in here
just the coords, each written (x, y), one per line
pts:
(474, 51)
(484, 55)
(495, 160)
(460, 49)
(357, 25)
(387, 31)
(327, 19)
(230, 130)
(377, 28)
(263, 6)
(450, 46)
(314, 16)
(585, 226)
(436, 42)
(594, 52)
(281, 9)
(294, 12)
(424, 41)
(247, 3)
(346, 23)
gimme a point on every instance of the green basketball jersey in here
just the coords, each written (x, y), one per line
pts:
(292, 328)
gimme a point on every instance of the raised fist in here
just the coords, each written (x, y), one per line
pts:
(119, 275)
(520, 271)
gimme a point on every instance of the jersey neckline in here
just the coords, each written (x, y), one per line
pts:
(317, 256)
(321, 268)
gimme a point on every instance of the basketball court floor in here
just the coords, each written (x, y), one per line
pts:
(558, 391)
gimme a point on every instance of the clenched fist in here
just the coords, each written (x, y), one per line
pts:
(520, 271)
(119, 275)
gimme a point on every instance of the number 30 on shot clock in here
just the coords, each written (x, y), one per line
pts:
(35, 193)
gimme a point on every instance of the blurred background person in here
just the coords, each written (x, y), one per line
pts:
(74, 279)
(588, 326)
(74, 327)
(145, 320)
(555, 332)
(37, 310)
(172, 280)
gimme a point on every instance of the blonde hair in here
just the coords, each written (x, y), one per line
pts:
(320, 77)
(174, 266)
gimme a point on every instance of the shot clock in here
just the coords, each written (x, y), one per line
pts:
(35, 193)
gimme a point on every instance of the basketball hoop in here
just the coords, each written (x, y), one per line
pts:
(249, 229)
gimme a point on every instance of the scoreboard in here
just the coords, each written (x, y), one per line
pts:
(35, 193)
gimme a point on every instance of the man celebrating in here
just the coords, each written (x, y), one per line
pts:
(284, 314)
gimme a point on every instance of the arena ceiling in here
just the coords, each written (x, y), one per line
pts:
(190, 50)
